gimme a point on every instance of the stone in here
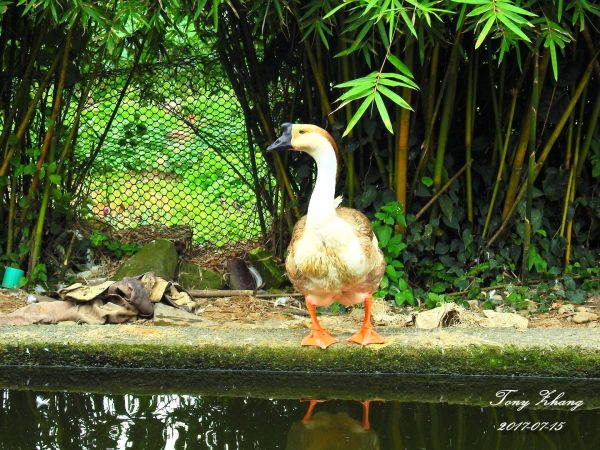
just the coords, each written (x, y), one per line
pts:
(582, 309)
(584, 317)
(159, 256)
(566, 309)
(166, 315)
(192, 276)
(530, 305)
(504, 320)
(473, 305)
(271, 272)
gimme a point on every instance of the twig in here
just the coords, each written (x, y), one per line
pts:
(443, 189)
(211, 293)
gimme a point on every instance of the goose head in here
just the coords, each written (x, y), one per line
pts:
(306, 138)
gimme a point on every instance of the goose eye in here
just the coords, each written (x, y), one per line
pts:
(301, 131)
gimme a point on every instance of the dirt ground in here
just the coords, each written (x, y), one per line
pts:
(269, 313)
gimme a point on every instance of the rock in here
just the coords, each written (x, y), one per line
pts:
(566, 309)
(496, 298)
(473, 305)
(272, 273)
(159, 256)
(584, 317)
(582, 309)
(381, 314)
(192, 276)
(166, 315)
(442, 316)
(504, 320)
(240, 277)
(530, 305)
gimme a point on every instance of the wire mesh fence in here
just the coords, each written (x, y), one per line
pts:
(176, 152)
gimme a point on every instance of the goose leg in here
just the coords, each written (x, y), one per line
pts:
(365, 420)
(367, 335)
(311, 407)
(318, 337)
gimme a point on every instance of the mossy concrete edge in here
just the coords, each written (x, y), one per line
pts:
(278, 351)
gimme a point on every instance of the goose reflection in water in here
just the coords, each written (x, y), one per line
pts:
(326, 431)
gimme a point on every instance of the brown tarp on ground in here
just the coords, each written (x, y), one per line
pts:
(108, 302)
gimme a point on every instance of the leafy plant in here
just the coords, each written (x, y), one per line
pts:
(394, 283)
(113, 247)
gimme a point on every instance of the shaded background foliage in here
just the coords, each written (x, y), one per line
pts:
(468, 128)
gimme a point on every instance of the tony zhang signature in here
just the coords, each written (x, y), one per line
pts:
(547, 398)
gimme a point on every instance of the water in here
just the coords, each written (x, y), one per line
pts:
(83, 410)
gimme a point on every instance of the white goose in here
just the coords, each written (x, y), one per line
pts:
(333, 254)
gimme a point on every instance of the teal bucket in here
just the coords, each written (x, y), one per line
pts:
(12, 278)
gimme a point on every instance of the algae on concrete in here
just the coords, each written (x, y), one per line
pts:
(538, 352)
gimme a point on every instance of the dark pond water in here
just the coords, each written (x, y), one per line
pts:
(52, 415)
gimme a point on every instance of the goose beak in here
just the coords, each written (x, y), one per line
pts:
(283, 142)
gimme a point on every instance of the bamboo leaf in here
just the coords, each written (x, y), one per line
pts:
(408, 22)
(394, 97)
(398, 64)
(359, 113)
(485, 31)
(552, 49)
(512, 27)
(337, 8)
(383, 112)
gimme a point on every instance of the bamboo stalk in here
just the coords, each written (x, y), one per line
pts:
(402, 142)
(577, 146)
(29, 114)
(495, 109)
(446, 117)
(503, 153)
(469, 120)
(585, 78)
(57, 104)
(428, 142)
(590, 133)
(577, 166)
(535, 96)
(571, 199)
(11, 216)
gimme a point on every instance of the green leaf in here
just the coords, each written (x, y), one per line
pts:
(427, 181)
(400, 65)
(485, 30)
(383, 235)
(512, 27)
(394, 97)
(359, 113)
(383, 112)
(446, 206)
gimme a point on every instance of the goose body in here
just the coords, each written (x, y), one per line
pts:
(338, 261)
(333, 253)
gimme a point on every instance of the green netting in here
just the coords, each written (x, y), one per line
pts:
(175, 154)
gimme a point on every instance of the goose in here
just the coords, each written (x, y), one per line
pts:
(324, 430)
(333, 254)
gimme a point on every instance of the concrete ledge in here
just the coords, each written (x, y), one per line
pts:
(571, 352)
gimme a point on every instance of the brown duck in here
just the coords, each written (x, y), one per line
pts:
(333, 254)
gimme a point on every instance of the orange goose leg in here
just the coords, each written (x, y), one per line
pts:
(311, 407)
(318, 337)
(365, 420)
(367, 335)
